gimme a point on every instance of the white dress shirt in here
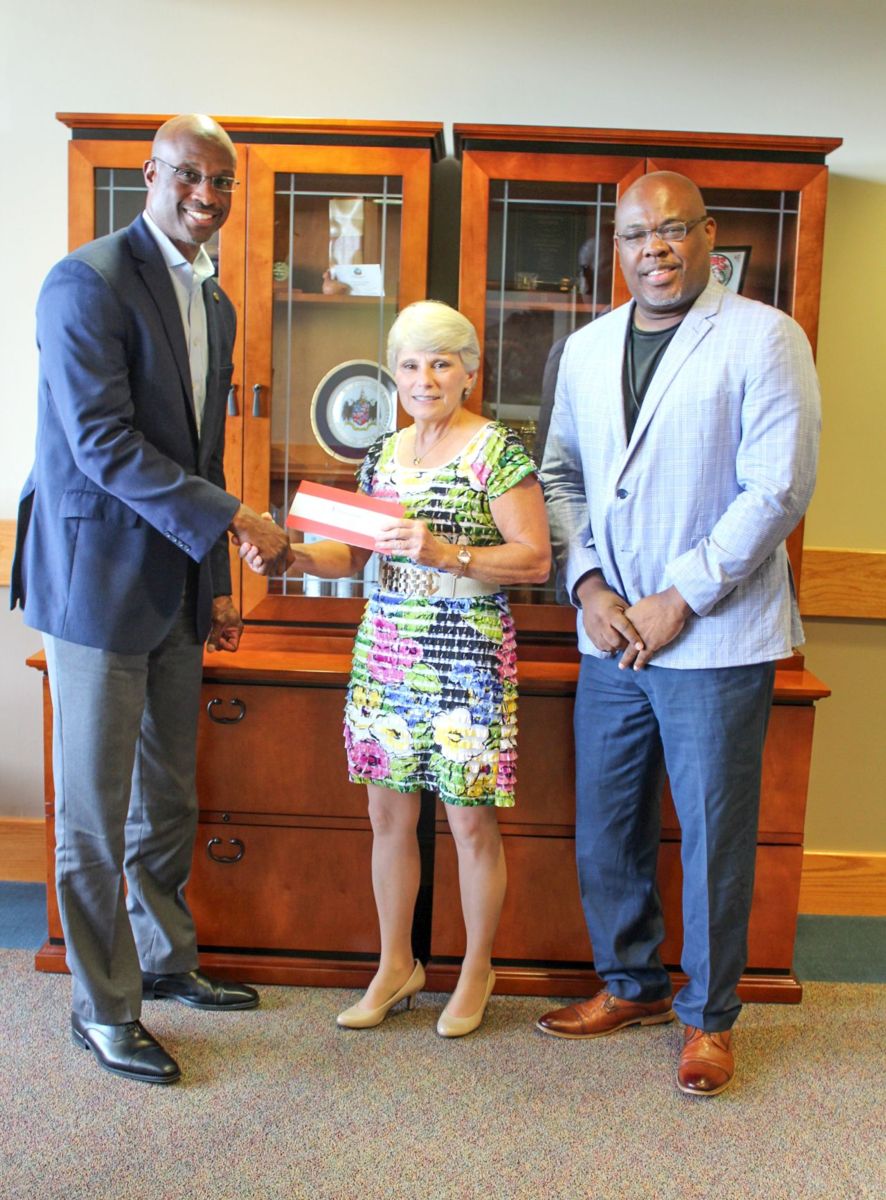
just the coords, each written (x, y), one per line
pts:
(187, 281)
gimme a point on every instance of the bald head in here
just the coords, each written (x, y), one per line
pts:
(195, 126)
(667, 187)
(188, 179)
(665, 274)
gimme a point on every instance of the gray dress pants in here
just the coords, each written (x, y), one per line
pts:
(124, 756)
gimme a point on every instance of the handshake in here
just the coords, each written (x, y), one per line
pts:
(263, 545)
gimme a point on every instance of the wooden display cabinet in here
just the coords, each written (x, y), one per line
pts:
(280, 887)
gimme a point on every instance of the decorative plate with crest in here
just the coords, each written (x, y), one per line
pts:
(355, 403)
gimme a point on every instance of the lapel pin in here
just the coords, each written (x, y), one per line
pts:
(215, 297)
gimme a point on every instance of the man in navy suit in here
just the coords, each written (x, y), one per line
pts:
(122, 562)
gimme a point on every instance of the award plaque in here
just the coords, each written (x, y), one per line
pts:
(355, 403)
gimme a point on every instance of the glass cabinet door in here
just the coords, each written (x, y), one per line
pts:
(337, 245)
(537, 263)
(549, 271)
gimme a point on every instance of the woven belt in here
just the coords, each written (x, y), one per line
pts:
(406, 579)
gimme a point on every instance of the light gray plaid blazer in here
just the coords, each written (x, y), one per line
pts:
(719, 469)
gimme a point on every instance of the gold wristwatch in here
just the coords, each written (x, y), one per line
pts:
(464, 558)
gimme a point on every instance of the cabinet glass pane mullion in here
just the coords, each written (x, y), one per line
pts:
(779, 248)
(755, 251)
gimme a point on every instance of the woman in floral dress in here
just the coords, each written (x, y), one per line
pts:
(432, 700)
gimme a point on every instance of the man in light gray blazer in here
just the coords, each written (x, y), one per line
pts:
(682, 452)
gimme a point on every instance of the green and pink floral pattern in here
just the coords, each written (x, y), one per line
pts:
(432, 700)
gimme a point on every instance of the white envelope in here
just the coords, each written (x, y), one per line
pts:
(364, 279)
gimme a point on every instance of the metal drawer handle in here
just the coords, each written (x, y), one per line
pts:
(225, 858)
(219, 720)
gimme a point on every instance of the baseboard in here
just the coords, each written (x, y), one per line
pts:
(22, 850)
(847, 885)
(831, 884)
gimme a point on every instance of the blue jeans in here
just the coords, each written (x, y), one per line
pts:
(706, 728)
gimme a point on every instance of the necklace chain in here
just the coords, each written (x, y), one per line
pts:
(417, 458)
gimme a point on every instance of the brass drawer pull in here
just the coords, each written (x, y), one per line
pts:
(225, 858)
(226, 720)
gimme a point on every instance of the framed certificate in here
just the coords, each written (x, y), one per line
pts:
(355, 403)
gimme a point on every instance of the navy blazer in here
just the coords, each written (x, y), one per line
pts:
(123, 492)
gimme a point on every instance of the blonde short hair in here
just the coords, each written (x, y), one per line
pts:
(430, 325)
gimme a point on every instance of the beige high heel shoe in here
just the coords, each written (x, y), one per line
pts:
(367, 1018)
(448, 1026)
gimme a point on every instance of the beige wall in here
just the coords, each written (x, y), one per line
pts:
(765, 66)
(848, 783)
(849, 507)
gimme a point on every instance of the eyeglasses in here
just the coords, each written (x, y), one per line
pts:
(192, 179)
(670, 231)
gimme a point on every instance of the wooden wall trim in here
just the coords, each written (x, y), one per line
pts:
(843, 583)
(7, 545)
(831, 884)
(23, 850)
(835, 583)
(849, 885)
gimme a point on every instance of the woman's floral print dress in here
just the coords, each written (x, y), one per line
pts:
(432, 700)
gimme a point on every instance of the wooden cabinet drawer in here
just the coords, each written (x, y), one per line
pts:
(545, 763)
(542, 920)
(274, 750)
(292, 890)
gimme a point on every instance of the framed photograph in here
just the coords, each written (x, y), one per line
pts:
(542, 246)
(729, 265)
(353, 404)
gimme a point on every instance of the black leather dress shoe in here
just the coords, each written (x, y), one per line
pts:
(195, 990)
(127, 1050)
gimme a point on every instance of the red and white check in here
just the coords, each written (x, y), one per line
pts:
(342, 516)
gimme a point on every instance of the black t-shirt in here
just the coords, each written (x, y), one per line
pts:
(644, 350)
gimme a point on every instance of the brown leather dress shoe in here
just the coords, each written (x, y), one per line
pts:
(706, 1062)
(604, 1014)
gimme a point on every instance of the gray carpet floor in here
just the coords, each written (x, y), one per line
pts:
(280, 1103)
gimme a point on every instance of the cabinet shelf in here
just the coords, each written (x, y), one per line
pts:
(283, 294)
(517, 300)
